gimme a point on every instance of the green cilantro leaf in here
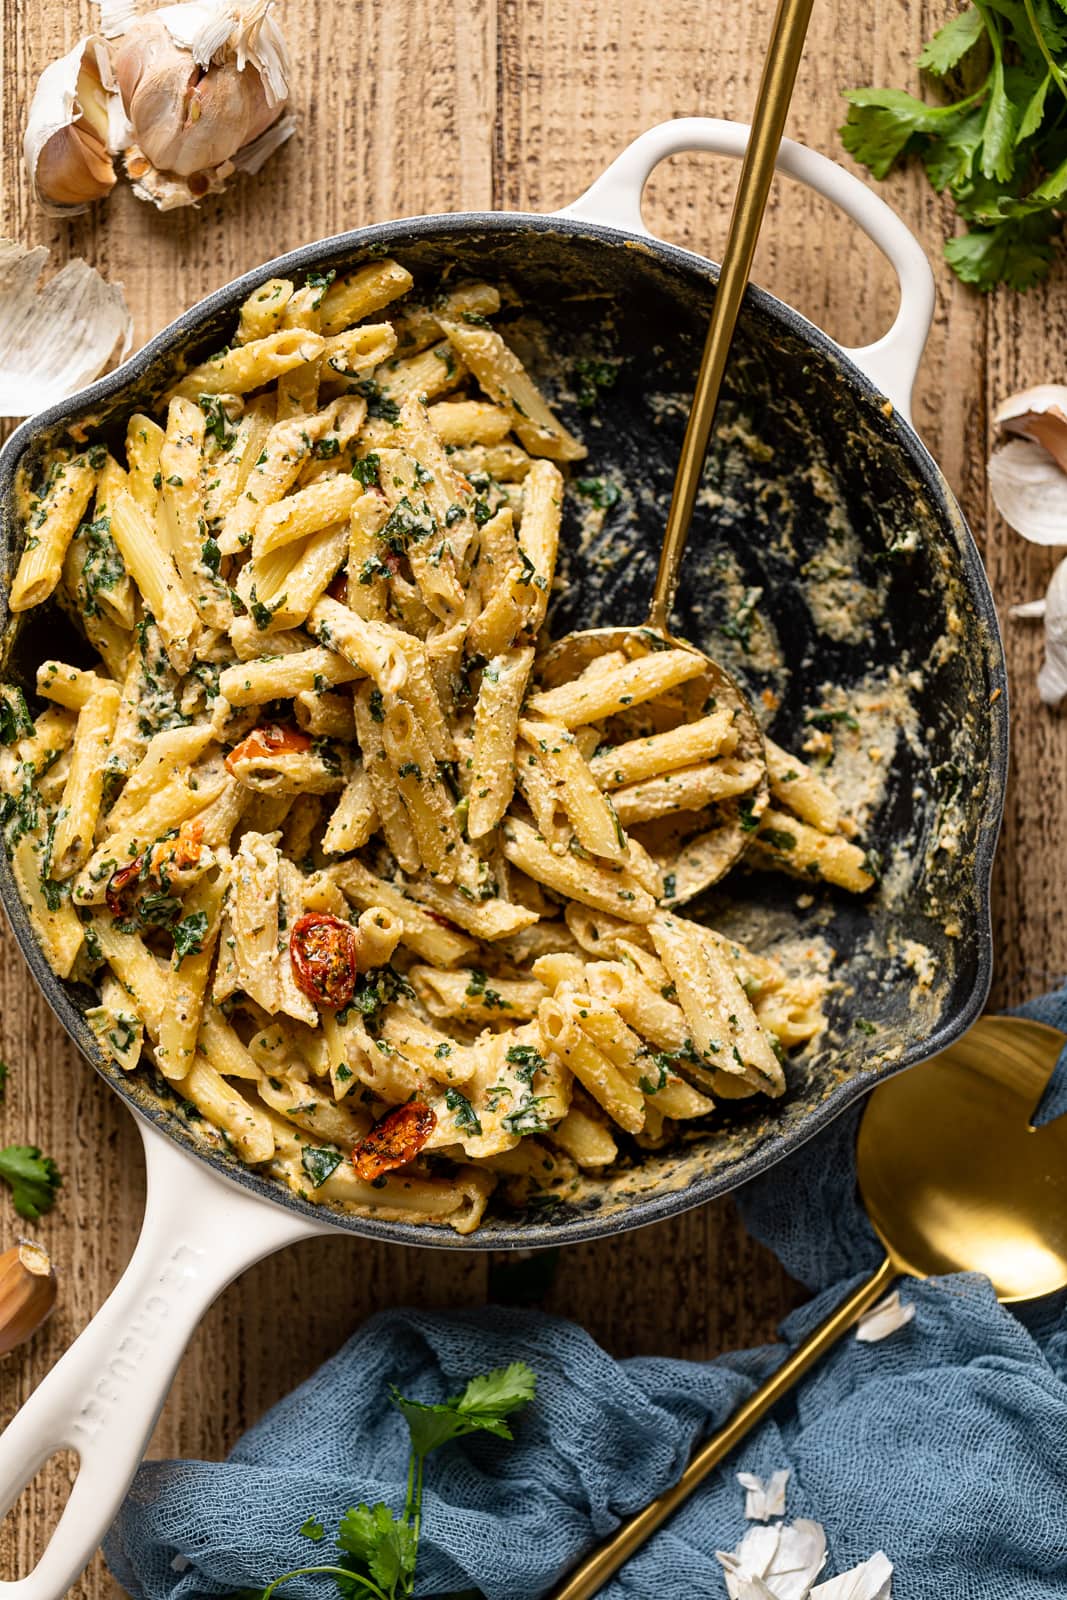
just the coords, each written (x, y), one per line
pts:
(313, 1530)
(995, 145)
(384, 1544)
(33, 1179)
(481, 1408)
(951, 43)
(1018, 253)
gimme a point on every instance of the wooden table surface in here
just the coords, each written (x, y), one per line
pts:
(409, 106)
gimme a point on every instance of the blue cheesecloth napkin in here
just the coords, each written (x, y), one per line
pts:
(944, 1445)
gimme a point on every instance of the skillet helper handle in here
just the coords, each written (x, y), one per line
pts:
(890, 362)
(102, 1398)
(593, 1573)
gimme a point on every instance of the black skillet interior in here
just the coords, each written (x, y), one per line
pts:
(872, 606)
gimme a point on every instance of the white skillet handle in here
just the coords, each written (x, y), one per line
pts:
(892, 361)
(103, 1397)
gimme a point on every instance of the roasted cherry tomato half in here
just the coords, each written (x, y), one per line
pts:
(118, 883)
(262, 743)
(186, 852)
(324, 952)
(394, 1141)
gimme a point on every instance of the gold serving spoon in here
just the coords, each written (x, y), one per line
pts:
(705, 861)
(954, 1178)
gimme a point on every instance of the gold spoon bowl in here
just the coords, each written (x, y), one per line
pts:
(955, 1177)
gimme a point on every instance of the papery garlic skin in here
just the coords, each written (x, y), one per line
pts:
(203, 83)
(1040, 414)
(1052, 679)
(56, 339)
(1030, 491)
(76, 123)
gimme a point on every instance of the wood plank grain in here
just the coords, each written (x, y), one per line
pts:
(409, 106)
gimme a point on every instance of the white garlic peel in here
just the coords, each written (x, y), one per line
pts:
(190, 94)
(1039, 413)
(1030, 491)
(55, 340)
(76, 123)
(782, 1562)
(764, 1500)
(885, 1318)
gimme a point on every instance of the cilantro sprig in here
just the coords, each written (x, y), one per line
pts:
(378, 1549)
(32, 1178)
(996, 142)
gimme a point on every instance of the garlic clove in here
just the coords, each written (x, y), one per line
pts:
(75, 121)
(55, 340)
(1052, 679)
(27, 1293)
(1030, 491)
(1039, 413)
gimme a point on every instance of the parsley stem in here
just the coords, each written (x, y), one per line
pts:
(334, 1572)
(409, 1500)
(1054, 71)
(418, 1516)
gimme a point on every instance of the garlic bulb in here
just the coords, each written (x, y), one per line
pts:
(75, 124)
(27, 1293)
(190, 94)
(204, 85)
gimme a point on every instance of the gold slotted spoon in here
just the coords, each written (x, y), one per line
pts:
(706, 860)
(955, 1178)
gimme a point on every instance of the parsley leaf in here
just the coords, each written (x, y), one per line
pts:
(32, 1177)
(189, 935)
(384, 1544)
(481, 1408)
(319, 1163)
(15, 719)
(994, 143)
(379, 1550)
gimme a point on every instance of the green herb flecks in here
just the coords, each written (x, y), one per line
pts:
(590, 377)
(601, 491)
(463, 1113)
(15, 719)
(189, 934)
(319, 1163)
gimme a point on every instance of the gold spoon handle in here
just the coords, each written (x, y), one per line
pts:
(750, 201)
(587, 1579)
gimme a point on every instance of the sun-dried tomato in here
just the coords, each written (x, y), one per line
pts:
(186, 849)
(262, 743)
(394, 1141)
(324, 952)
(119, 882)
